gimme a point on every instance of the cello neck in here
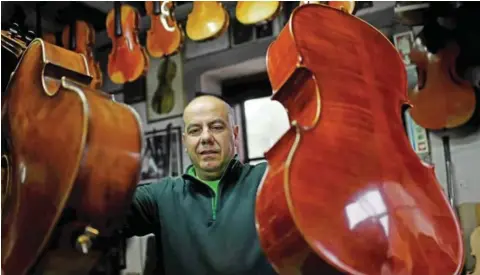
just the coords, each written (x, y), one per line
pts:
(118, 18)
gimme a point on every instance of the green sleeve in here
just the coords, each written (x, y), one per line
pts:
(142, 217)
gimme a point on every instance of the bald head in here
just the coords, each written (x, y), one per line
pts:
(211, 103)
(210, 135)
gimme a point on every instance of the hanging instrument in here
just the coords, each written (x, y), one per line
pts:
(165, 36)
(475, 246)
(255, 12)
(442, 99)
(207, 20)
(79, 36)
(75, 161)
(344, 192)
(128, 59)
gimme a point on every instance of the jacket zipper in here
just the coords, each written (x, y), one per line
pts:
(214, 206)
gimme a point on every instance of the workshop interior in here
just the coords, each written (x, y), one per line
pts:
(380, 99)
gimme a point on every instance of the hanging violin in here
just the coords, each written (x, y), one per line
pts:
(207, 20)
(441, 100)
(79, 36)
(128, 59)
(344, 192)
(165, 36)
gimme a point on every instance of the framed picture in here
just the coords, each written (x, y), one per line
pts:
(165, 97)
(404, 43)
(163, 154)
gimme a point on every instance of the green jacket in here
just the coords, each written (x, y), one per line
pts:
(201, 233)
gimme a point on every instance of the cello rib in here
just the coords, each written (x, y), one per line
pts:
(344, 191)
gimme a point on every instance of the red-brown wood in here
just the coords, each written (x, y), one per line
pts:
(128, 59)
(75, 162)
(84, 43)
(344, 191)
(165, 36)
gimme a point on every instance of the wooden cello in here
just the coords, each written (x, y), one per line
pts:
(75, 161)
(344, 192)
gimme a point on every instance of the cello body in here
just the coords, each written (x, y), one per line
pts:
(75, 161)
(344, 192)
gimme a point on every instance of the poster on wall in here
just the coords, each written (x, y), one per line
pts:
(165, 97)
(163, 154)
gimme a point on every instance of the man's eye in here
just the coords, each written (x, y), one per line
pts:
(194, 131)
(217, 127)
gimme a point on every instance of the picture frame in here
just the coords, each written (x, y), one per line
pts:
(404, 42)
(163, 155)
(165, 95)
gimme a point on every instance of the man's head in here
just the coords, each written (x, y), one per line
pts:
(210, 135)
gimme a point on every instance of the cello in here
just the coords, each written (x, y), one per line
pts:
(344, 192)
(75, 162)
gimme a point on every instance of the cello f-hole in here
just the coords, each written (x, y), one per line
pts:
(300, 111)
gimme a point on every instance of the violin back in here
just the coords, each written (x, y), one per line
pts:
(208, 20)
(344, 191)
(61, 191)
(254, 12)
(441, 100)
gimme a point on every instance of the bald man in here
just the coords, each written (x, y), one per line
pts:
(204, 220)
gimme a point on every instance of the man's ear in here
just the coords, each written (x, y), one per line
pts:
(235, 134)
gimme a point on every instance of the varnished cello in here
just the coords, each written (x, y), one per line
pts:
(75, 161)
(344, 192)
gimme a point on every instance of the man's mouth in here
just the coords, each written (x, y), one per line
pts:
(208, 152)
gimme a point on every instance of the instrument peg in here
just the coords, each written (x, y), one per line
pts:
(84, 241)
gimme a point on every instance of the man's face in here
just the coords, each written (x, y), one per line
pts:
(209, 137)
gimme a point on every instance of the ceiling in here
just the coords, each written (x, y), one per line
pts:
(55, 15)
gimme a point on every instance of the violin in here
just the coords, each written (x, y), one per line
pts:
(61, 209)
(254, 12)
(163, 99)
(207, 20)
(127, 60)
(165, 36)
(441, 100)
(79, 36)
(344, 192)
(475, 247)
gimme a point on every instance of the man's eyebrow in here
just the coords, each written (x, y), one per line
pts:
(217, 121)
(191, 125)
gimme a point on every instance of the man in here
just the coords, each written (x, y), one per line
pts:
(204, 220)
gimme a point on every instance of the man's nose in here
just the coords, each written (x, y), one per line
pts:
(206, 136)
